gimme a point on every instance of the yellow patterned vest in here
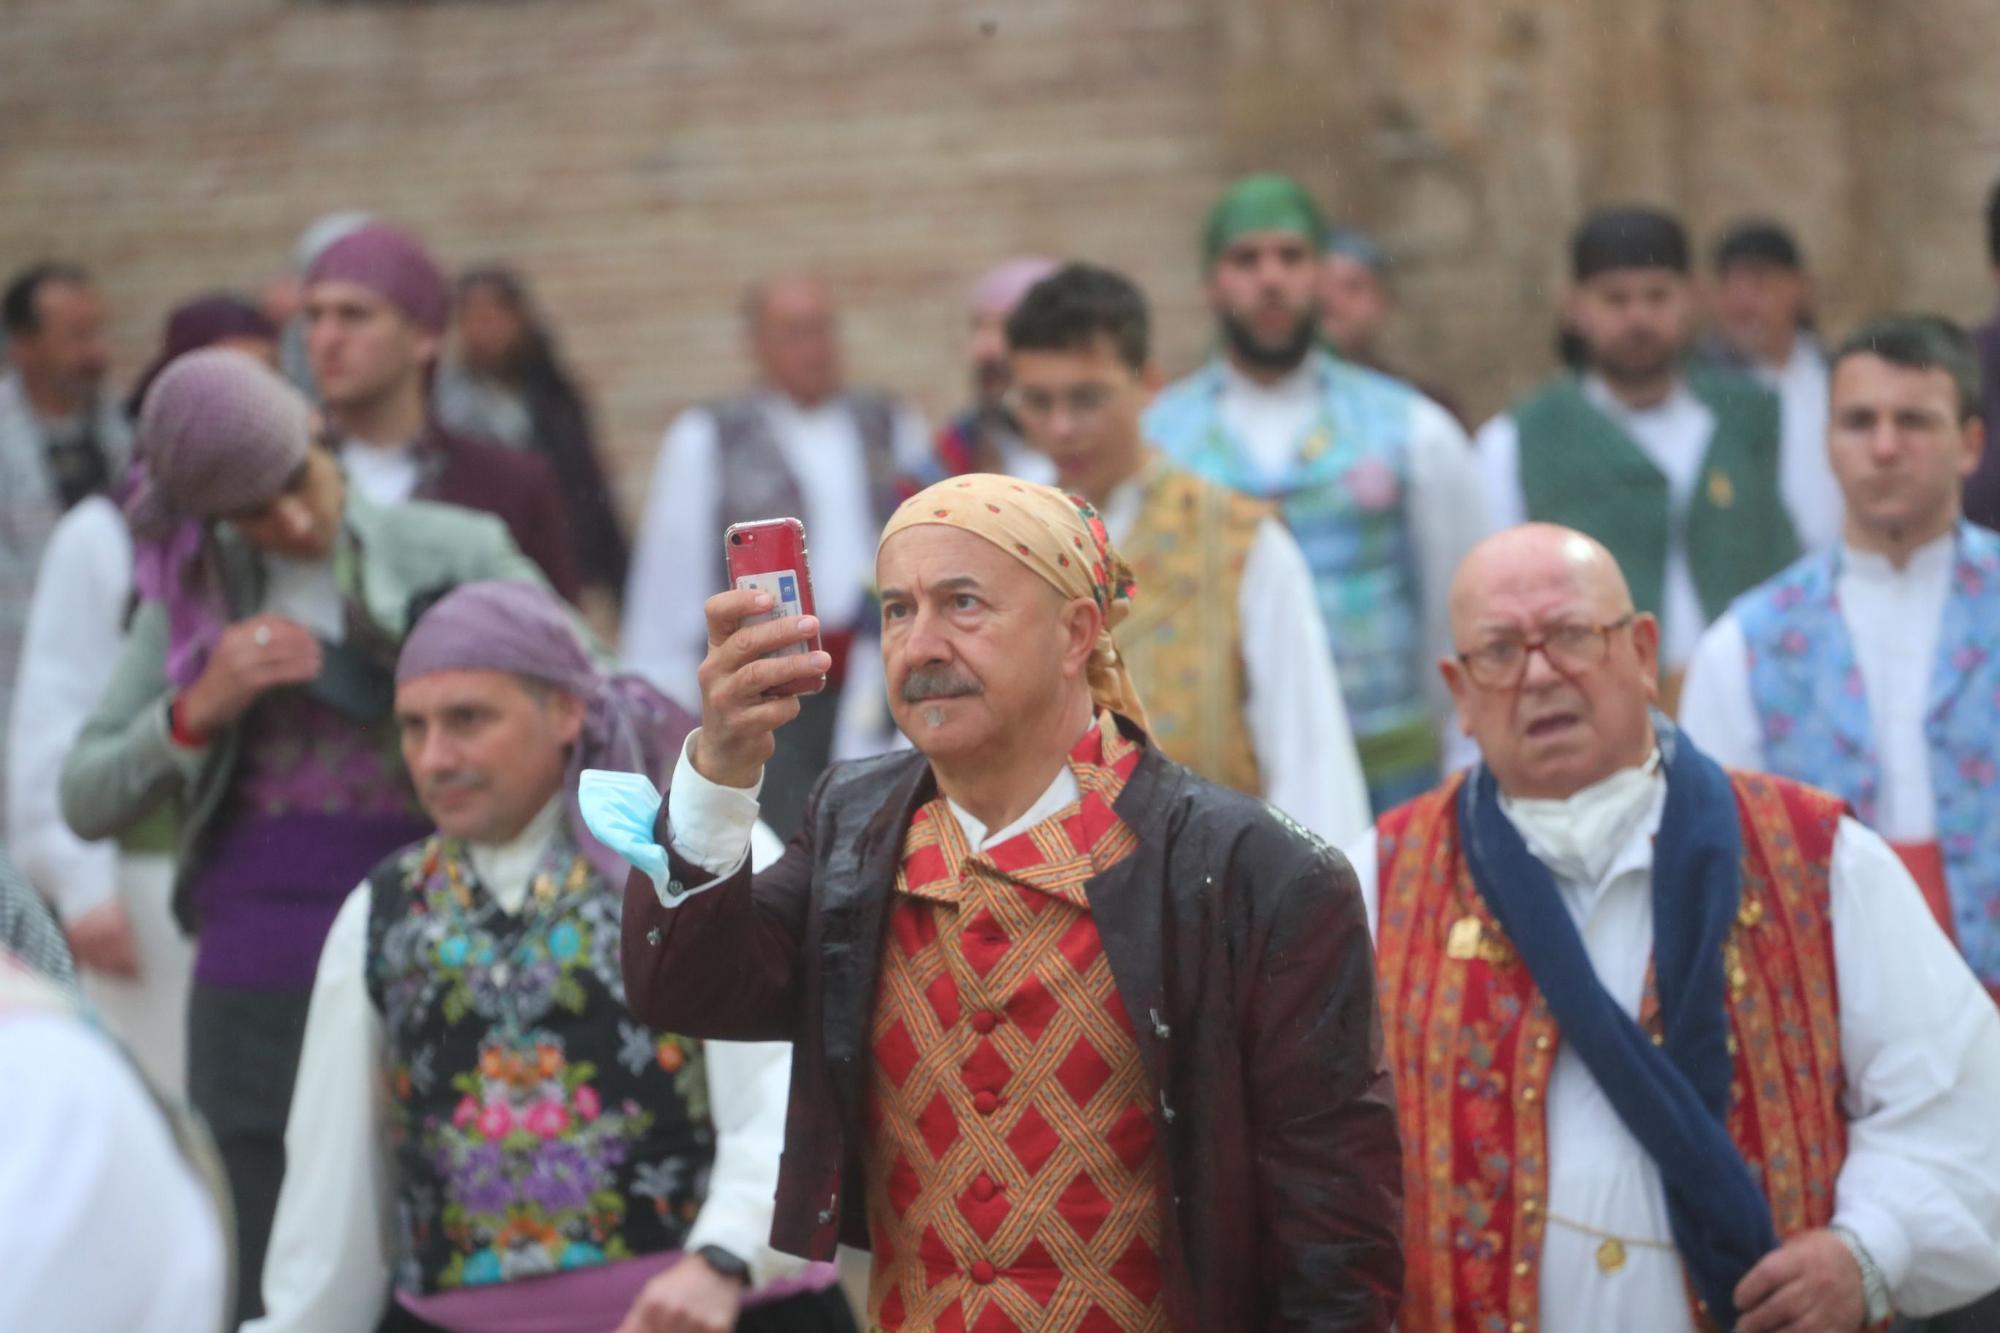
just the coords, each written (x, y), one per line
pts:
(1182, 640)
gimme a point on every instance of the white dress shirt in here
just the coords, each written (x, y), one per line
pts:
(1673, 433)
(1805, 477)
(1892, 618)
(674, 563)
(1920, 1048)
(105, 1226)
(1447, 504)
(1292, 708)
(386, 475)
(75, 635)
(333, 1240)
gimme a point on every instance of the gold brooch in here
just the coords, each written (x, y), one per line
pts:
(1721, 490)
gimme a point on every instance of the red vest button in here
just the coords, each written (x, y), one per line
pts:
(985, 1021)
(982, 1273)
(984, 1188)
(986, 1101)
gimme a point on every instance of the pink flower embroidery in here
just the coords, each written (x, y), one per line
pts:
(587, 1104)
(495, 1120)
(467, 1112)
(546, 1119)
(1373, 485)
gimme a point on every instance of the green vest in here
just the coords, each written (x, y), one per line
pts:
(1579, 469)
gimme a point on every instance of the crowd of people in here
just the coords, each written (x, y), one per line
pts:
(1233, 852)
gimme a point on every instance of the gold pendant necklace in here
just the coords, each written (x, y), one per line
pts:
(1611, 1255)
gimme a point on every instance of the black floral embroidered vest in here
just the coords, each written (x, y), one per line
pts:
(537, 1126)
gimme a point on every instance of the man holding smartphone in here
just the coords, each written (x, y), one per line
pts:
(1080, 1040)
(254, 690)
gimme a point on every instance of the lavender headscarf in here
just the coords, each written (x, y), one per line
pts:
(523, 629)
(219, 433)
(395, 266)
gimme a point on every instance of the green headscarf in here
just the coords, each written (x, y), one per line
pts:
(1268, 202)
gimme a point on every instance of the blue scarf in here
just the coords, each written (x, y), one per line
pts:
(1674, 1097)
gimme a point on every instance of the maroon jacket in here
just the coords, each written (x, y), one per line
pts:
(1240, 947)
(517, 487)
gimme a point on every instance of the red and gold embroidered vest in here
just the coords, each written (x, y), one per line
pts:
(1472, 1043)
(1010, 1160)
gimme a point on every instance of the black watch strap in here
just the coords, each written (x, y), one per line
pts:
(725, 1263)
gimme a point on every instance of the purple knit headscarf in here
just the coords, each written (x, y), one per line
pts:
(395, 266)
(219, 434)
(523, 629)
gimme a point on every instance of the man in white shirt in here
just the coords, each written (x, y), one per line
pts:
(547, 1160)
(800, 445)
(1669, 1041)
(1227, 645)
(1872, 669)
(1374, 480)
(1674, 468)
(1761, 300)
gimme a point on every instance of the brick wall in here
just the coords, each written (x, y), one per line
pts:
(644, 159)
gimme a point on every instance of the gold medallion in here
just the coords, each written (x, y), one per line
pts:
(1721, 490)
(1611, 1255)
(1463, 942)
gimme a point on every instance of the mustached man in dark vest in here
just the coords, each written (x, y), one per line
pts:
(1675, 468)
(1676, 1047)
(1080, 1041)
(800, 445)
(553, 1166)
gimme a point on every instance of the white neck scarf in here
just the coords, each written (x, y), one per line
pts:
(1579, 837)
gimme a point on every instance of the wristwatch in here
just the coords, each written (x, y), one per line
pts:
(1874, 1287)
(725, 1263)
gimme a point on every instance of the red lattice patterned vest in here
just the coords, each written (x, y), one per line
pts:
(1010, 1162)
(1471, 1042)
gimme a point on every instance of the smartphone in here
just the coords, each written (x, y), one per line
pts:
(770, 556)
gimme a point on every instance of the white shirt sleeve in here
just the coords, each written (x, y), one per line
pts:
(103, 1222)
(1920, 1043)
(1295, 714)
(75, 632)
(712, 824)
(1716, 710)
(748, 1086)
(1360, 851)
(1449, 515)
(328, 1266)
(1497, 448)
(665, 631)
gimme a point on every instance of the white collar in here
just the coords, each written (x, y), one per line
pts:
(1059, 794)
(506, 870)
(1932, 560)
(1301, 383)
(1587, 837)
(1602, 397)
(1121, 509)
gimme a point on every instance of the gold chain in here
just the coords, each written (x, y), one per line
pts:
(1610, 1254)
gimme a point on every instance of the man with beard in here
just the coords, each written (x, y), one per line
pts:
(1080, 1041)
(1675, 468)
(985, 437)
(1375, 480)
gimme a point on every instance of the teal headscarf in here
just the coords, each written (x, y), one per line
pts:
(1266, 202)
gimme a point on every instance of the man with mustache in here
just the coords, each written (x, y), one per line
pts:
(1675, 1046)
(1080, 1041)
(553, 1167)
(1675, 468)
(1374, 479)
(252, 694)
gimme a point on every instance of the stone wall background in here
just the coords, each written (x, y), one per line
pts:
(644, 159)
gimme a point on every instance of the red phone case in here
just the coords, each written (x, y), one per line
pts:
(767, 554)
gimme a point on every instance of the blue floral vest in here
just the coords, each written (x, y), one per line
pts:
(537, 1126)
(1814, 713)
(1345, 497)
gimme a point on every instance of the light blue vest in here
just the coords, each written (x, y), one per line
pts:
(1814, 714)
(1345, 496)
